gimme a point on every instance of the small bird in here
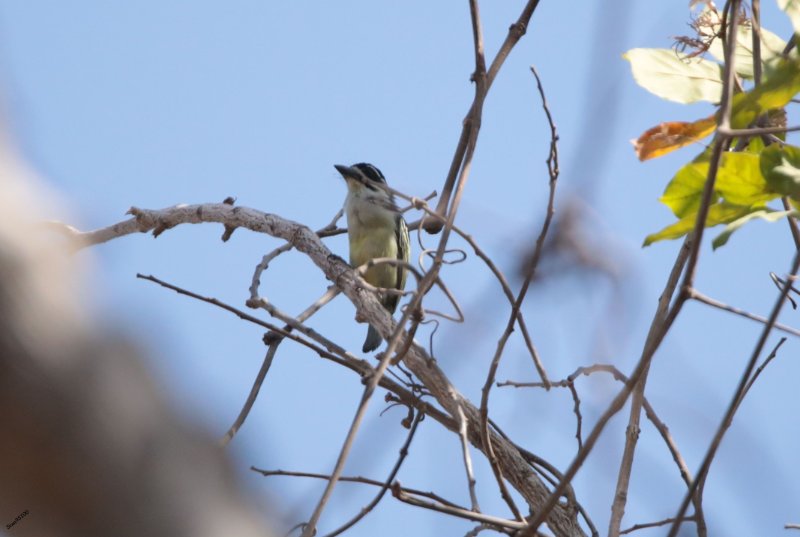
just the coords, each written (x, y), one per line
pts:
(376, 229)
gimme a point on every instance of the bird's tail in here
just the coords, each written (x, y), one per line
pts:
(373, 340)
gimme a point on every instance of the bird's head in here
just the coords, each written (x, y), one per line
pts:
(362, 175)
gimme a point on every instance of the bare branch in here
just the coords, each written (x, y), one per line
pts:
(333, 353)
(761, 368)
(421, 205)
(658, 330)
(756, 131)
(459, 512)
(254, 390)
(646, 525)
(537, 361)
(755, 21)
(386, 484)
(561, 519)
(462, 433)
(721, 143)
(700, 297)
(660, 426)
(355, 479)
(738, 395)
(327, 231)
(273, 343)
(792, 220)
(552, 165)
(471, 125)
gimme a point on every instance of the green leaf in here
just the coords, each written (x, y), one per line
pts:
(682, 80)
(792, 9)
(684, 191)
(739, 182)
(765, 214)
(783, 84)
(781, 169)
(718, 213)
(771, 48)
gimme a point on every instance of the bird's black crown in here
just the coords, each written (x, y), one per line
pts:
(371, 172)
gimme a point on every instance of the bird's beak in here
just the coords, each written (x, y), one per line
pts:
(346, 171)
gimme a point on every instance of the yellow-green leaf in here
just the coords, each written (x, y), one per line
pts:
(684, 191)
(740, 181)
(782, 84)
(719, 213)
(679, 79)
(781, 169)
(768, 215)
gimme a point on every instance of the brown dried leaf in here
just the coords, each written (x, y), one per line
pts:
(671, 135)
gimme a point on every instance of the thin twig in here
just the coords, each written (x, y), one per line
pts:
(736, 399)
(474, 532)
(616, 404)
(333, 353)
(552, 166)
(274, 343)
(779, 283)
(756, 131)
(792, 220)
(660, 426)
(386, 484)
(369, 390)
(500, 278)
(755, 26)
(550, 474)
(576, 408)
(462, 434)
(700, 297)
(362, 269)
(328, 230)
(299, 526)
(637, 400)
(721, 143)
(254, 390)
(537, 361)
(483, 82)
(680, 462)
(354, 479)
(459, 512)
(761, 368)
(646, 525)
(341, 356)
(658, 330)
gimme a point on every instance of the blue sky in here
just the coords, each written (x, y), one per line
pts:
(156, 103)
